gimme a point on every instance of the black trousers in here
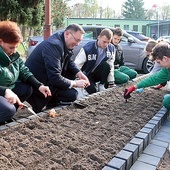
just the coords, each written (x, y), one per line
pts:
(100, 75)
(7, 110)
(38, 101)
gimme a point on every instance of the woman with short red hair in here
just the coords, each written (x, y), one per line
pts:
(16, 81)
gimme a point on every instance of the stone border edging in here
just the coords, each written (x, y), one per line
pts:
(131, 152)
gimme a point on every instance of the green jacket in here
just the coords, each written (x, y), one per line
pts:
(11, 69)
(161, 76)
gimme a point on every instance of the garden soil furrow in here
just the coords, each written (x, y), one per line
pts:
(79, 139)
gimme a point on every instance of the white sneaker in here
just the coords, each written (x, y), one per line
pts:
(101, 87)
(85, 92)
(81, 93)
(168, 84)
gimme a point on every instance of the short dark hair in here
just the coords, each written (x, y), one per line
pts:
(106, 32)
(75, 28)
(117, 31)
(150, 45)
(160, 50)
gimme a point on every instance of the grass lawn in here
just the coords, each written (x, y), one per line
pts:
(22, 49)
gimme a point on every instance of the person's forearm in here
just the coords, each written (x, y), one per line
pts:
(33, 82)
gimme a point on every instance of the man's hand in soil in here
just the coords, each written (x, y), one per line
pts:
(128, 91)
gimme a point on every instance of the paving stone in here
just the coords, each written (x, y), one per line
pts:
(144, 137)
(159, 143)
(127, 156)
(117, 163)
(167, 122)
(162, 136)
(139, 143)
(134, 149)
(159, 114)
(153, 127)
(159, 121)
(63, 107)
(155, 122)
(163, 117)
(142, 166)
(57, 107)
(32, 117)
(23, 120)
(108, 168)
(147, 131)
(164, 112)
(152, 160)
(164, 129)
(12, 124)
(156, 118)
(41, 114)
(155, 150)
(3, 127)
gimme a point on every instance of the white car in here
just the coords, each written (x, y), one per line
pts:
(164, 38)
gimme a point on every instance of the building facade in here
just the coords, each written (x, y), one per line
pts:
(161, 28)
(146, 27)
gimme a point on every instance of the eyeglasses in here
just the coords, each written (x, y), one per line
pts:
(77, 40)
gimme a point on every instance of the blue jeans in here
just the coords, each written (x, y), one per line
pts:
(7, 110)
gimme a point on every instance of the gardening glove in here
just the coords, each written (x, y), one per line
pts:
(128, 91)
(139, 90)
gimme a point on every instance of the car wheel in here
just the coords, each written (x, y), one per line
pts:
(147, 65)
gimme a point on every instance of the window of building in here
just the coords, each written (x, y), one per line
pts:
(126, 27)
(164, 30)
(117, 25)
(135, 27)
(144, 29)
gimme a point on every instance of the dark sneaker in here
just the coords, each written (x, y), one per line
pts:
(2, 123)
(51, 105)
(11, 120)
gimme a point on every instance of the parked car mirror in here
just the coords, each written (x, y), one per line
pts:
(131, 40)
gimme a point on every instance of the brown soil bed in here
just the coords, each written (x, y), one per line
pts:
(79, 139)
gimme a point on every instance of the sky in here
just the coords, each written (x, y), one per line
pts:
(116, 4)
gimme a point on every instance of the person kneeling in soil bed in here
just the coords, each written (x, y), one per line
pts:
(161, 54)
(16, 81)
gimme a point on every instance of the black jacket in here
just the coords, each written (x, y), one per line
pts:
(119, 57)
(51, 61)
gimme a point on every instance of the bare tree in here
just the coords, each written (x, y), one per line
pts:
(165, 12)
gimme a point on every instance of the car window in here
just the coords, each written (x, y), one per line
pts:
(124, 39)
(138, 35)
(142, 36)
(90, 33)
(133, 34)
